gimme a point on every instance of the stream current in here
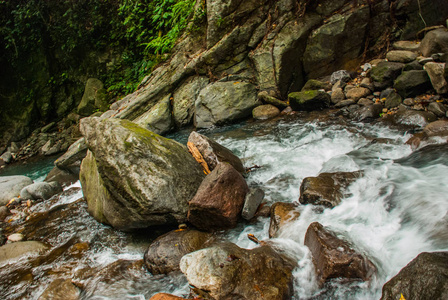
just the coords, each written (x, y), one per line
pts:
(397, 210)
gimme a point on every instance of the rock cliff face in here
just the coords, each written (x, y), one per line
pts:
(272, 47)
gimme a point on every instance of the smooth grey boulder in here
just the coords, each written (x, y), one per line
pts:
(228, 272)
(159, 118)
(133, 178)
(436, 73)
(10, 187)
(251, 203)
(412, 83)
(425, 277)
(435, 41)
(401, 56)
(214, 153)
(184, 99)
(165, 252)
(21, 249)
(225, 102)
(40, 190)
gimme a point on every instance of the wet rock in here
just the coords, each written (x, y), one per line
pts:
(134, 178)
(6, 157)
(406, 45)
(326, 189)
(309, 100)
(436, 128)
(229, 272)
(341, 75)
(16, 237)
(357, 93)
(337, 95)
(251, 203)
(314, 84)
(425, 277)
(164, 253)
(94, 98)
(164, 296)
(4, 212)
(265, 97)
(21, 249)
(401, 56)
(435, 41)
(184, 99)
(392, 100)
(214, 153)
(437, 108)
(384, 73)
(40, 190)
(63, 177)
(159, 118)
(61, 289)
(225, 102)
(414, 118)
(412, 83)
(264, 112)
(10, 187)
(436, 73)
(344, 103)
(281, 214)
(219, 199)
(415, 65)
(334, 258)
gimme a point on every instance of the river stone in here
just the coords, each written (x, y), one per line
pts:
(326, 189)
(437, 108)
(365, 102)
(159, 118)
(40, 190)
(406, 45)
(251, 203)
(414, 118)
(401, 56)
(435, 41)
(264, 112)
(281, 214)
(314, 84)
(436, 128)
(219, 199)
(10, 187)
(412, 83)
(16, 237)
(6, 157)
(337, 95)
(436, 73)
(344, 103)
(164, 296)
(414, 65)
(164, 253)
(309, 100)
(74, 155)
(93, 98)
(229, 272)
(61, 289)
(265, 97)
(334, 258)
(342, 76)
(214, 153)
(392, 100)
(133, 178)
(184, 99)
(358, 93)
(384, 73)
(425, 277)
(63, 177)
(20, 249)
(225, 102)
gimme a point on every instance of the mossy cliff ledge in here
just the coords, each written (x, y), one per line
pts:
(133, 178)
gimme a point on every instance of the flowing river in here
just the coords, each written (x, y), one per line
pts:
(395, 211)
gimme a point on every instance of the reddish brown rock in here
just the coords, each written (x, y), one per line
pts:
(61, 289)
(281, 214)
(327, 189)
(164, 296)
(213, 153)
(164, 253)
(334, 258)
(219, 200)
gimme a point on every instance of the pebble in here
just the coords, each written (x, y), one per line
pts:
(16, 237)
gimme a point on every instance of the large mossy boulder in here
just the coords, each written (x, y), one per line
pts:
(385, 72)
(225, 102)
(425, 277)
(412, 83)
(134, 178)
(229, 272)
(159, 118)
(309, 100)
